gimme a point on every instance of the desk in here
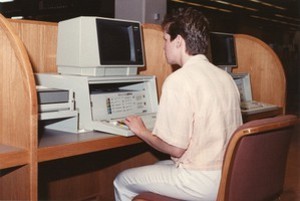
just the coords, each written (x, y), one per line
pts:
(83, 166)
(262, 115)
(56, 144)
(93, 159)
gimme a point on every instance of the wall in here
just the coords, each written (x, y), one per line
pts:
(145, 11)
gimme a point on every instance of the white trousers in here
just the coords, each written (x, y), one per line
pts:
(165, 178)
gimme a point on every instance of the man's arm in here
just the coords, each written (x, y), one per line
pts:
(136, 125)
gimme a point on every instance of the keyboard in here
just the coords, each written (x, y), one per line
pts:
(254, 107)
(118, 127)
(149, 121)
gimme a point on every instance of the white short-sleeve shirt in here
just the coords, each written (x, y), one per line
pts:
(198, 111)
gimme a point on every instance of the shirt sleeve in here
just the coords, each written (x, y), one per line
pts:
(175, 117)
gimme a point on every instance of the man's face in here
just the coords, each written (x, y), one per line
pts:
(170, 49)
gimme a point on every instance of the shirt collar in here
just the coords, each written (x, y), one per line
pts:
(196, 58)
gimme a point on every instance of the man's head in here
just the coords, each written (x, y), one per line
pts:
(191, 25)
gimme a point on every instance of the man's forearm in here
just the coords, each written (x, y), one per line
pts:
(161, 145)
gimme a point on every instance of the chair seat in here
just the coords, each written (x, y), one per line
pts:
(148, 196)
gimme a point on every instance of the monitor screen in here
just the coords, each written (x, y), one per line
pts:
(119, 42)
(97, 46)
(223, 52)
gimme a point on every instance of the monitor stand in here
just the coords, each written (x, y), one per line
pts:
(228, 69)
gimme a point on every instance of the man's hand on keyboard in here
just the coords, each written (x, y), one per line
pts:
(136, 125)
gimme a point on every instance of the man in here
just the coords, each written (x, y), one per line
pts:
(198, 112)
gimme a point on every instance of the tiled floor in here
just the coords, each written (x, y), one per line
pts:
(292, 179)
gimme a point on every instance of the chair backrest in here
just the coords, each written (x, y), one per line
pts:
(255, 160)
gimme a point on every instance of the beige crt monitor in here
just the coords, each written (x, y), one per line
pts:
(97, 46)
(248, 105)
(242, 81)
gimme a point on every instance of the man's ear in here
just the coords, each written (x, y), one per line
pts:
(179, 41)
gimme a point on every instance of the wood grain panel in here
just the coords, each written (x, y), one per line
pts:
(18, 118)
(156, 63)
(15, 185)
(266, 71)
(40, 40)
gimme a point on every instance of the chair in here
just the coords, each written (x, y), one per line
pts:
(254, 162)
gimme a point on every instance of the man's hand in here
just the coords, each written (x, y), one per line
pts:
(136, 125)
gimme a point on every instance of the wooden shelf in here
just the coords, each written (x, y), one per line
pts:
(55, 144)
(262, 115)
(12, 156)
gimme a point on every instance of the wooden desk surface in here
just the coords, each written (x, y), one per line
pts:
(56, 144)
(262, 115)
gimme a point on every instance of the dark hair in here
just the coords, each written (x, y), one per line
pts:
(191, 25)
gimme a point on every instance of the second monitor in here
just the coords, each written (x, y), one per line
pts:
(223, 50)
